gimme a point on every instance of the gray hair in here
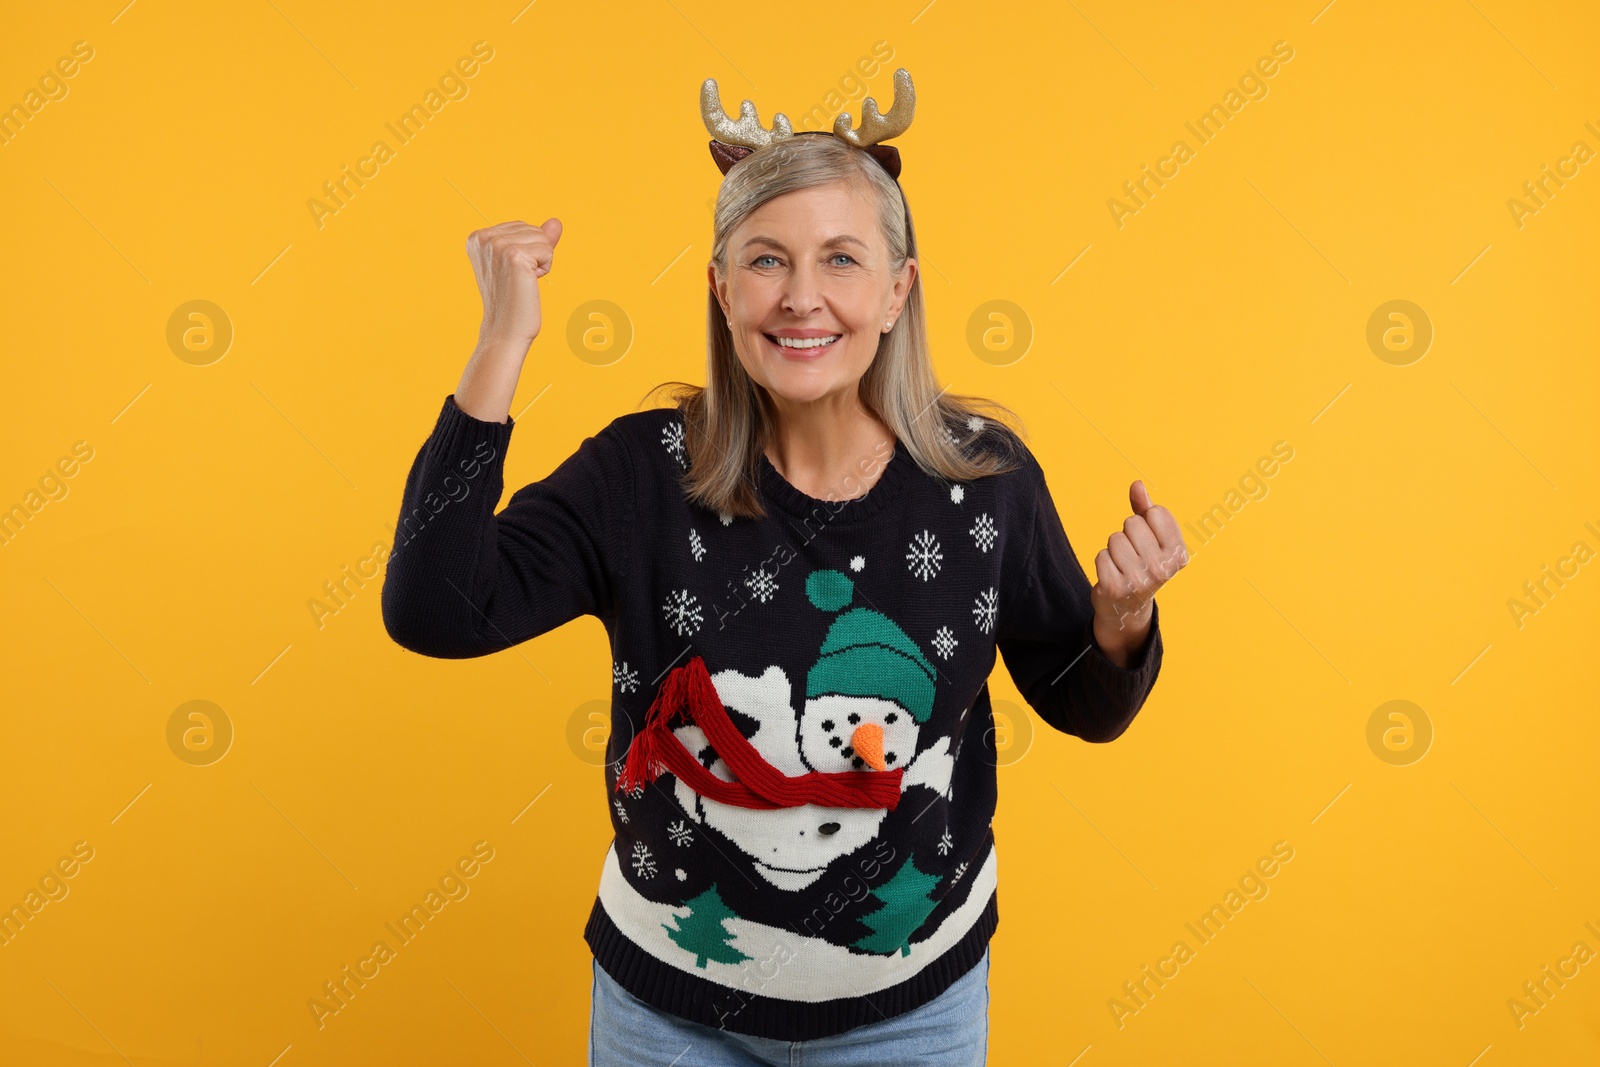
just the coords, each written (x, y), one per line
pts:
(729, 422)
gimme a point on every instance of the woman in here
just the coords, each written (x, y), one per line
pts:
(805, 569)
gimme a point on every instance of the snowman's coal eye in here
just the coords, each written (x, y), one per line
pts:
(827, 724)
(891, 717)
(854, 718)
(835, 741)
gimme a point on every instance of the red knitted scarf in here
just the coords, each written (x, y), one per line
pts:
(688, 695)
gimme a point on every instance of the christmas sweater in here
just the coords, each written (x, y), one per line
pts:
(801, 767)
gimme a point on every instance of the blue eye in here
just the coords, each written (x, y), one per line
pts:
(844, 255)
(757, 261)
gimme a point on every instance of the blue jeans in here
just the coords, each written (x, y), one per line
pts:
(951, 1030)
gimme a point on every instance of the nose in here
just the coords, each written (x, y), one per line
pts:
(867, 741)
(801, 293)
(828, 829)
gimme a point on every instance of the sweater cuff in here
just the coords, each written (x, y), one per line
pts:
(1141, 659)
(457, 434)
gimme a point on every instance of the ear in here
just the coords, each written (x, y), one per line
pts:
(716, 288)
(902, 287)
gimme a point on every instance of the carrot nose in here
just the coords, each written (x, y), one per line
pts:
(867, 740)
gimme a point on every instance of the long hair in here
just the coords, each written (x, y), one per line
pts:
(729, 421)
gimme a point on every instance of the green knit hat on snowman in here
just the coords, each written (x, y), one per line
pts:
(866, 654)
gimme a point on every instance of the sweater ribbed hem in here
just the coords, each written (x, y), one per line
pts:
(669, 989)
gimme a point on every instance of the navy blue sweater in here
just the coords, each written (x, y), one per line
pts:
(839, 651)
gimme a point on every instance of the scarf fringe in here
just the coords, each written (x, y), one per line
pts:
(644, 763)
(688, 693)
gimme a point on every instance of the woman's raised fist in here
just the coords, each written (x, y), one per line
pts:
(508, 260)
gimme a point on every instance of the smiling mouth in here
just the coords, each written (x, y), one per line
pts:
(805, 346)
(791, 870)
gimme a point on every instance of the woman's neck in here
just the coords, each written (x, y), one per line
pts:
(829, 450)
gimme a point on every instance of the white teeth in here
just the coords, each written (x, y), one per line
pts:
(805, 342)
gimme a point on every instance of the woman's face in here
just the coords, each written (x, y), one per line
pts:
(808, 266)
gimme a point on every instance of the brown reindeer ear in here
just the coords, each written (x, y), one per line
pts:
(727, 155)
(888, 155)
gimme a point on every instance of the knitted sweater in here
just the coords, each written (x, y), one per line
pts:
(803, 838)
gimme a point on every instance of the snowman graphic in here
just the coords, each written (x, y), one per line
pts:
(867, 700)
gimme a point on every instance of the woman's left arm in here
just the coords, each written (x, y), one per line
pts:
(1086, 658)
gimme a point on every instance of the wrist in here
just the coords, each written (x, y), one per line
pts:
(500, 349)
(1122, 638)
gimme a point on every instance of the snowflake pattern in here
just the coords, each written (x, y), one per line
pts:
(951, 437)
(957, 492)
(983, 609)
(625, 678)
(697, 546)
(974, 423)
(762, 586)
(725, 517)
(857, 562)
(644, 864)
(622, 812)
(680, 834)
(944, 642)
(683, 613)
(681, 873)
(984, 532)
(923, 555)
(672, 437)
(945, 843)
(960, 870)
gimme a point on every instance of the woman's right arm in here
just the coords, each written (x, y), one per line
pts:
(461, 580)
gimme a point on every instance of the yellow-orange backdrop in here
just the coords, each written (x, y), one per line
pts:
(1442, 455)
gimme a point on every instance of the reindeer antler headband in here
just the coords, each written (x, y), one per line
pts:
(735, 139)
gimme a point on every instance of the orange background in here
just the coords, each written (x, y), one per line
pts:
(1230, 312)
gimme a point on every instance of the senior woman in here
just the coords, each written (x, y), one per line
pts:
(805, 569)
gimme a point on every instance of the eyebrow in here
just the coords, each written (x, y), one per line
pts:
(832, 242)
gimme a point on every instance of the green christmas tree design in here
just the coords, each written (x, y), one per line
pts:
(702, 932)
(906, 906)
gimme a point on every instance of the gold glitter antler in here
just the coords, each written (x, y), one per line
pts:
(877, 127)
(747, 131)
